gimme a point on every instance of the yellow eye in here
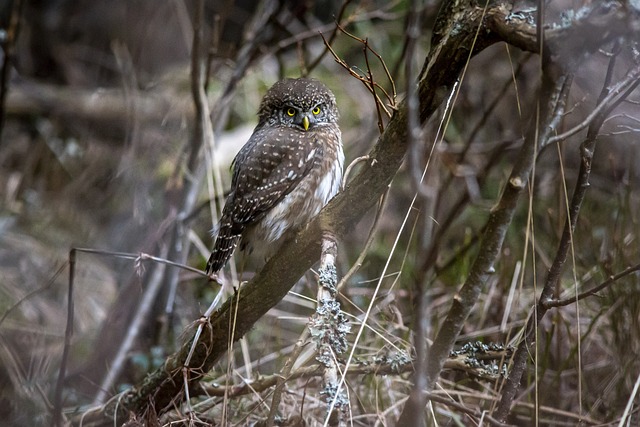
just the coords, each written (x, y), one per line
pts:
(291, 112)
(316, 111)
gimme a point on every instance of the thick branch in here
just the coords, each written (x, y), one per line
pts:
(592, 27)
(441, 70)
(272, 283)
(104, 108)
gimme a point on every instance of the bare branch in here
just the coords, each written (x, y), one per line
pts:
(553, 276)
(611, 280)
(613, 97)
(592, 27)
(552, 101)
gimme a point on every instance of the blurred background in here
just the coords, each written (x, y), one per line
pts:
(98, 126)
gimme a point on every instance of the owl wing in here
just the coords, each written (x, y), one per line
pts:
(266, 169)
(269, 166)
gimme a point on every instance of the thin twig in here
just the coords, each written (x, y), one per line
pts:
(552, 100)
(413, 412)
(611, 280)
(367, 78)
(68, 334)
(28, 295)
(284, 375)
(373, 85)
(390, 98)
(135, 327)
(316, 61)
(141, 256)
(347, 171)
(606, 104)
(365, 250)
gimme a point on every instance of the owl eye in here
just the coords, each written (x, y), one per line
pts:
(316, 111)
(290, 112)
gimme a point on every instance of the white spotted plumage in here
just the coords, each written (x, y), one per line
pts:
(287, 171)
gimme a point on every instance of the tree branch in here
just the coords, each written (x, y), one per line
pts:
(552, 99)
(583, 32)
(553, 276)
(449, 54)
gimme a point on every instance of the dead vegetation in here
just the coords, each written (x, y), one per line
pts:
(488, 256)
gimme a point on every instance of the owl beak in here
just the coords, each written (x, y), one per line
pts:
(305, 122)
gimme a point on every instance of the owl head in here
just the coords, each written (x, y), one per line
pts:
(304, 104)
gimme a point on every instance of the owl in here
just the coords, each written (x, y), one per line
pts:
(287, 171)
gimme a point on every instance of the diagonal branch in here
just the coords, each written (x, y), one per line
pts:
(449, 54)
(553, 276)
(552, 100)
(164, 387)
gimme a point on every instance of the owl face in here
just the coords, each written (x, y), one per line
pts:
(303, 104)
(305, 119)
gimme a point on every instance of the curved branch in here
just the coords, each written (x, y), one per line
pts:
(590, 28)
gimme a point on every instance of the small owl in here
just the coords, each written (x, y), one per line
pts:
(287, 171)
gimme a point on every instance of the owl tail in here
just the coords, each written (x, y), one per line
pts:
(226, 243)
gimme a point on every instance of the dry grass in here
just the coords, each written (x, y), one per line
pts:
(70, 180)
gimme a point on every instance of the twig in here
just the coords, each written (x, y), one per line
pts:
(141, 256)
(372, 84)
(552, 101)
(347, 171)
(146, 304)
(605, 103)
(492, 240)
(194, 167)
(413, 412)
(390, 98)
(316, 61)
(313, 32)
(554, 273)
(626, 418)
(68, 334)
(365, 250)
(374, 367)
(284, 375)
(367, 79)
(28, 295)
(611, 280)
